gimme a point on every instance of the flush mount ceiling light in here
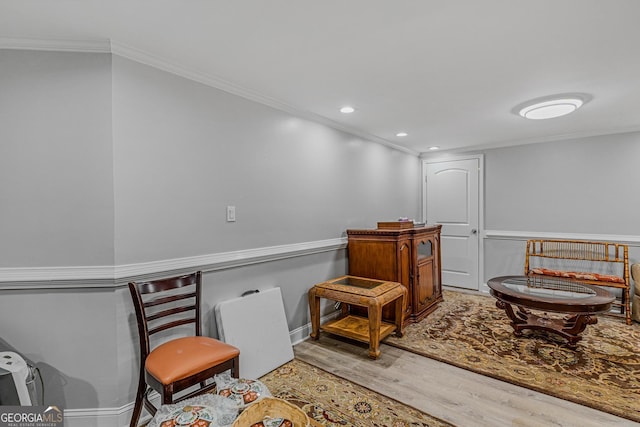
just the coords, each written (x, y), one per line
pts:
(347, 109)
(552, 106)
(401, 134)
(435, 147)
(551, 109)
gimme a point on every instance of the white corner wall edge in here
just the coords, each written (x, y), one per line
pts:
(78, 277)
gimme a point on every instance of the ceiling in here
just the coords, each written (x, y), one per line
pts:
(446, 72)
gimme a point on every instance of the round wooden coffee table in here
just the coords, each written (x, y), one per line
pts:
(580, 302)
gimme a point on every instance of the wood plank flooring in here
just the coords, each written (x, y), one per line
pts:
(456, 395)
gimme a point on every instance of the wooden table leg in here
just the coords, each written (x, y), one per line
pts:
(569, 328)
(314, 309)
(375, 317)
(400, 307)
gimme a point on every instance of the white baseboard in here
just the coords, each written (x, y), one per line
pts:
(99, 417)
(106, 417)
(302, 333)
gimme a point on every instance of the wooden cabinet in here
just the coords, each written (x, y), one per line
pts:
(410, 256)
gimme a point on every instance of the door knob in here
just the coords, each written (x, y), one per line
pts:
(474, 231)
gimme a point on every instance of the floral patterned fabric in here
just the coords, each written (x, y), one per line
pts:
(578, 275)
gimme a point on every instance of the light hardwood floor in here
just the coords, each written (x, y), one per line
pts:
(456, 395)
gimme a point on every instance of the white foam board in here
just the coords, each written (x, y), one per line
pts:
(257, 325)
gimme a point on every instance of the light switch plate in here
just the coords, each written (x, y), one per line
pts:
(231, 213)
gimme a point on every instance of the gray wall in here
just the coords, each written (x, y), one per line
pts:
(56, 162)
(184, 151)
(70, 335)
(581, 187)
(107, 162)
(574, 186)
(57, 210)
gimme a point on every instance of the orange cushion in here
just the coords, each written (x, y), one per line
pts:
(183, 357)
(579, 275)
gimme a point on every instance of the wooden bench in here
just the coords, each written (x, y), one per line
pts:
(594, 263)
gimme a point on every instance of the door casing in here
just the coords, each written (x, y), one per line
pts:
(480, 159)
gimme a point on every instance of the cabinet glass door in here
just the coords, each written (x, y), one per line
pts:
(425, 249)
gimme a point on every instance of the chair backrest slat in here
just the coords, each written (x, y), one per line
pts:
(165, 300)
(165, 304)
(155, 286)
(170, 312)
(170, 325)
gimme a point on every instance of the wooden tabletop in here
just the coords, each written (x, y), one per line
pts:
(552, 294)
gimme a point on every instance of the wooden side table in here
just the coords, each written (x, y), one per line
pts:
(370, 293)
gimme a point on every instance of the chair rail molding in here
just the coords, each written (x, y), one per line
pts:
(79, 277)
(630, 240)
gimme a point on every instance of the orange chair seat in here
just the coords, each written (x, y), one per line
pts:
(183, 357)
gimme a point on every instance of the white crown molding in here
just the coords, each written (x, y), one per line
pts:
(140, 56)
(526, 235)
(96, 46)
(115, 276)
(137, 55)
(528, 141)
(147, 58)
(164, 64)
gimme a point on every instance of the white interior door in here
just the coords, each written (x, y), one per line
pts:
(452, 199)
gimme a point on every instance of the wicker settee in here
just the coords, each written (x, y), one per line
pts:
(594, 263)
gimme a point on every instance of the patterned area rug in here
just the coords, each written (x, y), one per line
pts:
(333, 401)
(470, 332)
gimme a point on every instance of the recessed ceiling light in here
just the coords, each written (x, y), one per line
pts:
(549, 107)
(434, 148)
(402, 134)
(346, 109)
